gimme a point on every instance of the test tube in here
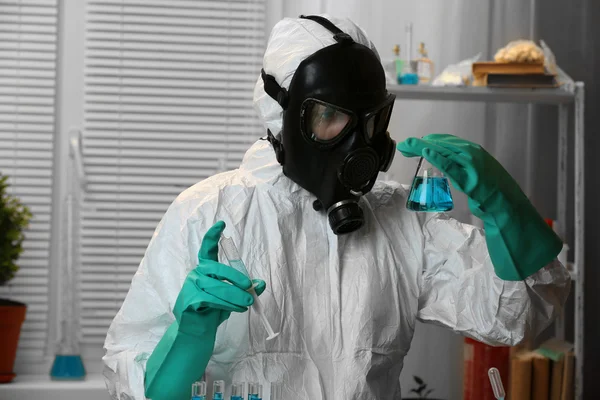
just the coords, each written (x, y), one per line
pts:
(254, 391)
(235, 261)
(218, 390)
(237, 391)
(496, 382)
(276, 391)
(408, 51)
(199, 390)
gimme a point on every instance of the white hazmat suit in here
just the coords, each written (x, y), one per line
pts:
(346, 305)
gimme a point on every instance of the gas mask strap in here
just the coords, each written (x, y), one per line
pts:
(280, 94)
(338, 34)
(273, 89)
(277, 146)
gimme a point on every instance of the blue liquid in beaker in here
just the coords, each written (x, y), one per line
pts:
(237, 398)
(218, 396)
(68, 368)
(430, 194)
(253, 397)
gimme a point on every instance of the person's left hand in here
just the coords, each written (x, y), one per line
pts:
(470, 169)
(519, 241)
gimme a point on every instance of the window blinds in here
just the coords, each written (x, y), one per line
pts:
(168, 102)
(28, 36)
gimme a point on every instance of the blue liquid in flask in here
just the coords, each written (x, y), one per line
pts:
(430, 194)
(67, 367)
(237, 398)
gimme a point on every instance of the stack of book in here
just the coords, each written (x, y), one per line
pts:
(546, 373)
(512, 75)
(543, 374)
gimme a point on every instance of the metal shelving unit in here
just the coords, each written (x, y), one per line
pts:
(562, 97)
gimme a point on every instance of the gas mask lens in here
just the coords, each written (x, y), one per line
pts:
(324, 122)
(378, 121)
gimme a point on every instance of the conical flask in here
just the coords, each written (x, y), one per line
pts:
(430, 191)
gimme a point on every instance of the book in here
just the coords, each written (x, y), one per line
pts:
(507, 75)
(568, 383)
(521, 368)
(468, 369)
(540, 388)
(521, 81)
(557, 374)
(544, 374)
(561, 354)
(478, 359)
(491, 67)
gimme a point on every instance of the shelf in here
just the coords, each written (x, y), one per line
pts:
(33, 387)
(572, 270)
(482, 94)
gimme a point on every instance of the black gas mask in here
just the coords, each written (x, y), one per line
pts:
(335, 118)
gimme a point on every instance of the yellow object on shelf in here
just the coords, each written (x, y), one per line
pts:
(520, 51)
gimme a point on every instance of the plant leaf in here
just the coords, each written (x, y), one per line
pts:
(418, 380)
(14, 219)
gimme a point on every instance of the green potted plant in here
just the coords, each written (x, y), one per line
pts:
(421, 390)
(14, 219)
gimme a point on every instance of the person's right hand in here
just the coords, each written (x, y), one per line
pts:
(212, 290)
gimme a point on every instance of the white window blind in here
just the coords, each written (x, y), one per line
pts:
(28, 35)
(168, 102)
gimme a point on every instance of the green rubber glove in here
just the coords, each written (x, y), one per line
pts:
(518, 239)
(204, 302)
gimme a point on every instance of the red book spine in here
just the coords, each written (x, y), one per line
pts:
(469, 361)
(478, 359)
(478, 370)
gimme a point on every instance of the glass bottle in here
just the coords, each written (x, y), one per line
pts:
(394, 67)
(276, 391)
(199, 390)
(219, 390)
(409, 75)
(430, 190)
(254, 391)
(424, 65)
(398, 64)
(237, 391)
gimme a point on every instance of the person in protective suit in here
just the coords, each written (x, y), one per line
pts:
(349, 269)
